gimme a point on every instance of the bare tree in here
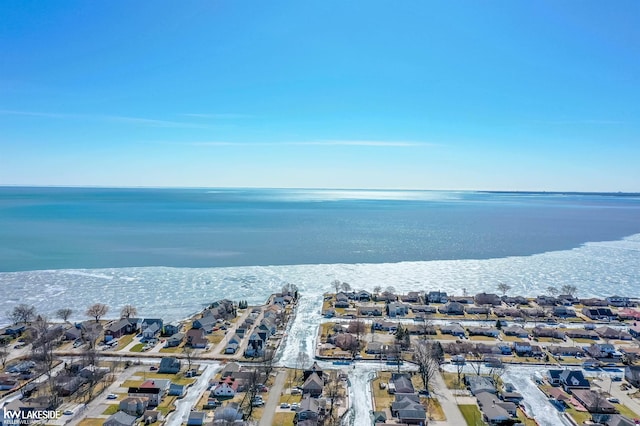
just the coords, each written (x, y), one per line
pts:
(64, 314)
(390, 289)
(128, 311)
(332, 391)
(336, 284)
(504, 288)
(4, 352)
(301, 360)
(376, 290)
(97, 311)
(22, 313)
(552, 291)
(345, 287)
(253, 387)
(569, 289)
(187, 350)
(42, 353)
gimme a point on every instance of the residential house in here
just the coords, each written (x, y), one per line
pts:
(155, 390)
(175, 340)
(386, 296)
(134, 406)
(487, 299)
(477, 384)
(176, 390)
(437, 297)
(400, 383)
(315, 368)
(454, 329)
(544, 300)
(500, 311)
(363, 296)
(565, 351)
(411, 297)
(593, 401)
(120, 419)
(452, 308)
(477, 310)
(515, 300)
(7, 382)
(610, 333)
(147, 322)
(562, 311)
(371, 311)
(619, 301)
(151, 416)
(483, 331)
(230, 413)
(599, 314)
(629, 314)
(571, 380)
(119, 328)
(196, 338)
(169, 365)
(342, 301)
(206, 323)
(632, 375)
(549, 332)
(522, 348)
(67, 385)
(227, 387)
(151, 332)
(231, 348)
(397, 309)
(635, 331)
(567, 299)
(255, 346)
(594, 301)
(465, 300)
(578, 333)
(427, 309)
(515, 330)
(171, 329)
(309, 410)
(313, 385)
(604, 351)
(487, 399)
(408, 409)
(196, 418)
(375, 348)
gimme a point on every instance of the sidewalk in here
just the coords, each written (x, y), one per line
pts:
(448, 403)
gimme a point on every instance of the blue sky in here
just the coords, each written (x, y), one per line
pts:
(497, 95)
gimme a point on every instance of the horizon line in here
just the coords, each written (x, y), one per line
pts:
(494, 191)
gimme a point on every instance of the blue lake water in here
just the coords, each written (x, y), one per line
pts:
(63, 228)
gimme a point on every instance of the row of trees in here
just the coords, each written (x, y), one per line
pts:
(502, 288)
(26, 314)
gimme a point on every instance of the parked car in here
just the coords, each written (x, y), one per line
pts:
(295, 406)
(67, 412)
(112, 396)
(284, 405)
(613, 400)
(153, 368)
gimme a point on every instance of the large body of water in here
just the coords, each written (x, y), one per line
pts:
(64, 247)
(170, 252)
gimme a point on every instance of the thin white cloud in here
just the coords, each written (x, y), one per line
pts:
(101, 117)
(362, 143)
(580, 122)
(220, 116)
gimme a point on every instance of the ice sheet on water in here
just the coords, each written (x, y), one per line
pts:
(596, 269)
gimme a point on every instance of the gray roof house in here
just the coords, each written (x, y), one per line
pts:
(120, 419)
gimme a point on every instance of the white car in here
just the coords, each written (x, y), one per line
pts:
(112, 396)
(284, 405)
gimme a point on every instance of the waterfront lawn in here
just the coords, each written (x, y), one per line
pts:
(526, 421)
(167, 405)
(124, 341)
(578, 416)
(91, 422)
(434, 409)
(137, 348)
(451, 380)
(471, 414)
(281, 418)
(381, 397)
(131, 383)
(111, 409)
(626, 411)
